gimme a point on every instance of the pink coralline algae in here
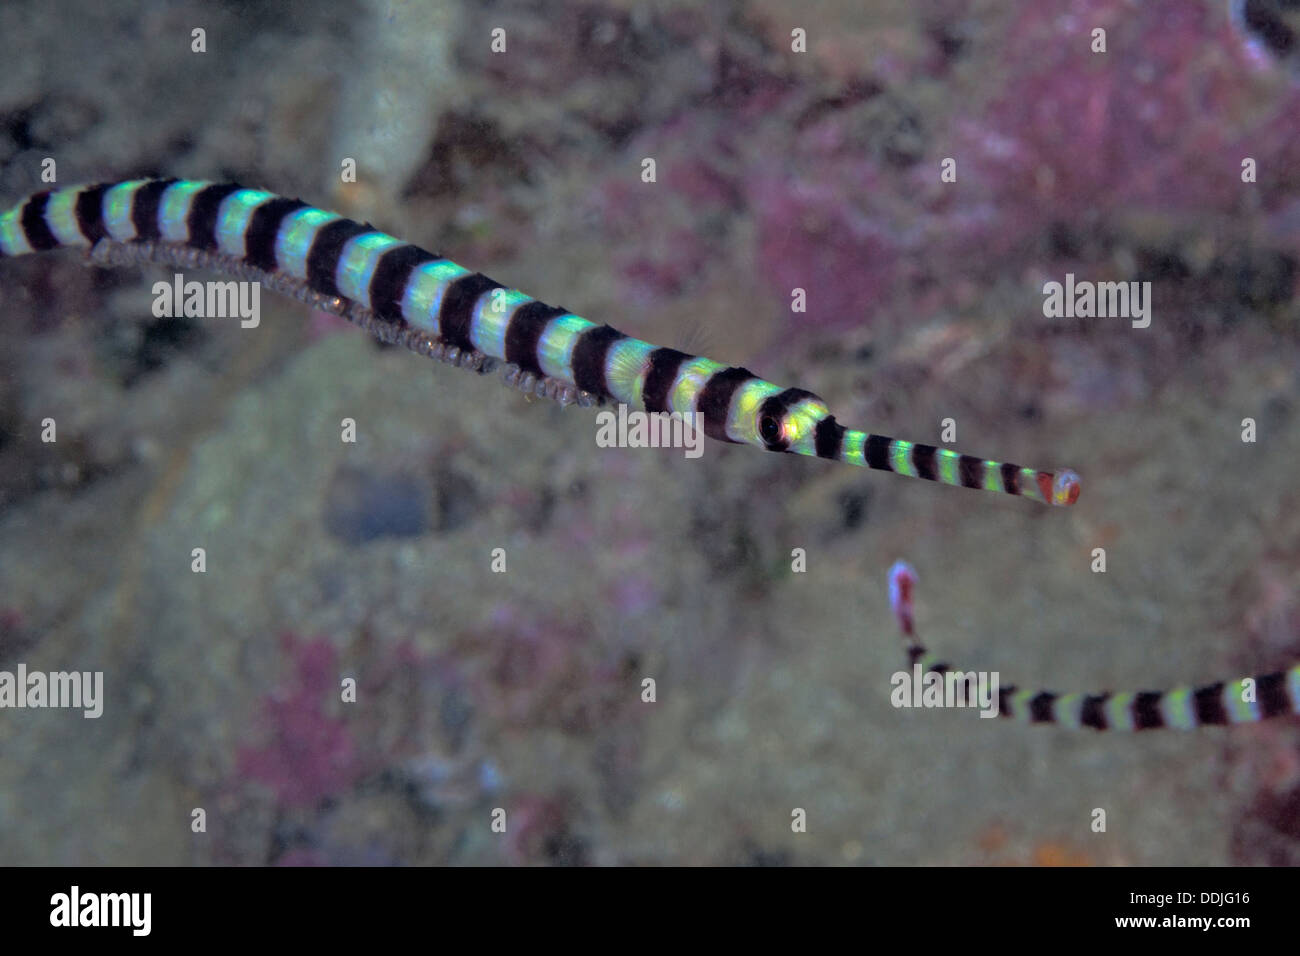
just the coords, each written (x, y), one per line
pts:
(822, 239)
(1092, 137)
(1065, 153)
(309, 753)
(531, 670)
(675, 222)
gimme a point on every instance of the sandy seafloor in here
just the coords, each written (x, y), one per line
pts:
(522, 690)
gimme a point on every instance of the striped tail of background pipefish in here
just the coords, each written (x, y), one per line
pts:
(1275, 694)
(1246, 700)
(406, 286)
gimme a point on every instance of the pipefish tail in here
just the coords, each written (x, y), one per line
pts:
(407, 295)
(1246, 700)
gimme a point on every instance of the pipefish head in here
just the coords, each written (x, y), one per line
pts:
(1063, 487)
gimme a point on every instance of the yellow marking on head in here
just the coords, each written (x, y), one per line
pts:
(799, 428)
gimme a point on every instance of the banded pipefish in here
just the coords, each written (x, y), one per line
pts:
(406, 295)
(1242, 701)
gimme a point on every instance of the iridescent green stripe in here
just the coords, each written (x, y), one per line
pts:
(13, 241)
(491, 315)
(1240, 710)
(296, 234)
(626, 365)
(1293, 686)
(1018, 704)
(948, 462)
(691, 377)
(1177, 710)
(61, 217)
(1119, 712)
(424, 292)
(174, 209)
(1029, 485)
(900, 457)
(357, 264)
(233, 218)
(117, 210)
(555, 348)
(992, 476)
(851, 449)
(1067, 710)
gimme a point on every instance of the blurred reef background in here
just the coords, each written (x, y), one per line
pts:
(521, 690)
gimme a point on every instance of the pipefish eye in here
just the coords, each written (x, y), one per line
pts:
(769, 428)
